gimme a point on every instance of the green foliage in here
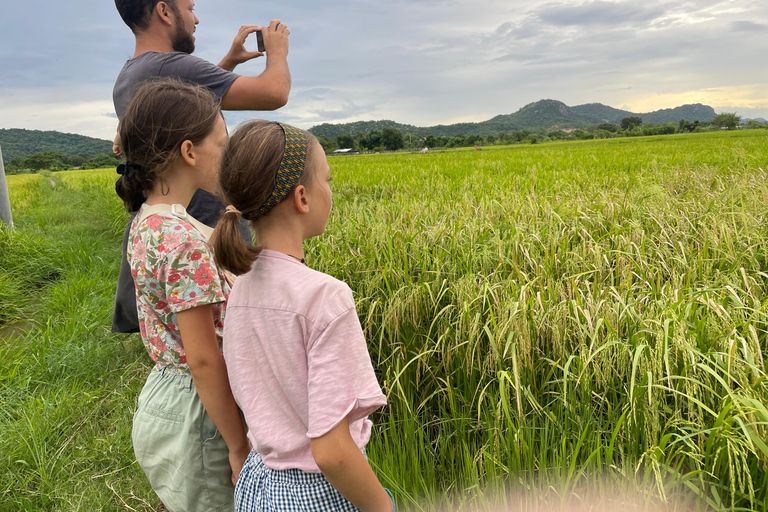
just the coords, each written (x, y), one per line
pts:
(727, 120)
(629, 123)
(345, 141)
(19, 143)
(329, 146)
(392, 139)
(608, 127)
(51, 161)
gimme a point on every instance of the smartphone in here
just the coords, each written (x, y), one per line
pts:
(260, 40)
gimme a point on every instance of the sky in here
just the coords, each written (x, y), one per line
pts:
(421, 62)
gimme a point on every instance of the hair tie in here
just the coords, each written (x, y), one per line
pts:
(232, 209)
(291, 169)
(128, 170)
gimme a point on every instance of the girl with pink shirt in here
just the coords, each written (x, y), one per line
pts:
(296, 356)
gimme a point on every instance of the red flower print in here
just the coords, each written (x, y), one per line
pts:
(183, 359)
(174, 278)
(161, 248)
(153, 356)
(134, 273)
(196, 256)
(185, 272)
(154, 221)
(139, 251)
(203, 276)
(161, 305)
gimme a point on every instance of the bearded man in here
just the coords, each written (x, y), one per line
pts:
(165, 40)
(164, 32)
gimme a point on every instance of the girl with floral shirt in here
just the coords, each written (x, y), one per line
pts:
(188, 435)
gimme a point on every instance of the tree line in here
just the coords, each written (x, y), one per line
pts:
(56, 161)
(392, 139)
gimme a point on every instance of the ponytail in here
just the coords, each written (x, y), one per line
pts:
(132, 186)
(231, 251)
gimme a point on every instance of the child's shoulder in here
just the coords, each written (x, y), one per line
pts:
(168, 228)
(278, 281)
(323, 298)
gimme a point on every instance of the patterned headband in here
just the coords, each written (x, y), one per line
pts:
(291, 169)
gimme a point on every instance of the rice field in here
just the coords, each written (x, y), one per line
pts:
(551, 320)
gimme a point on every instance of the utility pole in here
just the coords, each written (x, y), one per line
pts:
(5, 201)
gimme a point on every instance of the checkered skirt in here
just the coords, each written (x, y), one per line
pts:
(262, 489)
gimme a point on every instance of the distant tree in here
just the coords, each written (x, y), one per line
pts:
(608, 127)
(628, 123)
(77, 160)
(557, 135)
(371, 141)
(490, 138)
(329, 146)
(345, 141)
(46, 160)
(582, 135)
(727, 120)
(392, 139)
(430, 141)
(753, 124)
(102, 161)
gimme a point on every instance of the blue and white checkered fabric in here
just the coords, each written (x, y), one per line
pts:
(261, 489)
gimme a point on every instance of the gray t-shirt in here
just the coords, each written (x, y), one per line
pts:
(151, 65)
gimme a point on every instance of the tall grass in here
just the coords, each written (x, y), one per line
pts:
(548, 318)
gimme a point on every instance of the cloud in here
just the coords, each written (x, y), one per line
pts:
(599, 13)
(748, 26)
(418, 62)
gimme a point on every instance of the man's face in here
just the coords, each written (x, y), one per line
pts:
(184, 13)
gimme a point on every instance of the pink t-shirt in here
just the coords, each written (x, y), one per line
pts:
(297, 360)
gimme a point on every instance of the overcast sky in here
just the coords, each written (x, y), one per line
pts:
(420, 62)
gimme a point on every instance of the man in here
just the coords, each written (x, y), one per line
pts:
(164, 32)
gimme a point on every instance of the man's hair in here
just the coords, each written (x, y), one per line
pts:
(136, 13)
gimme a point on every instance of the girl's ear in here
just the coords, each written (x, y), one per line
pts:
(300, 199)
(187, 151)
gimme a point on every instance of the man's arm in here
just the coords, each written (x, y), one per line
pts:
(270, 90)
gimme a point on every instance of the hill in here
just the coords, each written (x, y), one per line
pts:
(17, 142)
(544, 114)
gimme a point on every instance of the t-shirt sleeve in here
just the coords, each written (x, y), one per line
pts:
(341, 381)
(190, 276)
(196, 70)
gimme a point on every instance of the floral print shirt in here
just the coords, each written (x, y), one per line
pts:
(174, 270)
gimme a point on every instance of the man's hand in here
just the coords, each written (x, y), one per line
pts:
(117, 147)
(238, 54)
(275, 39)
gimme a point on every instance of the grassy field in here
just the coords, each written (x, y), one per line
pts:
(558, 318)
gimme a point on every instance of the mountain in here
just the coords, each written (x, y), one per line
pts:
(16, 142)
(546, 114)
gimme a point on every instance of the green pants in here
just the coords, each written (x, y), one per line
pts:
(179, 448)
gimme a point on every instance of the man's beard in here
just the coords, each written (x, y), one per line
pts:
(182, 41)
